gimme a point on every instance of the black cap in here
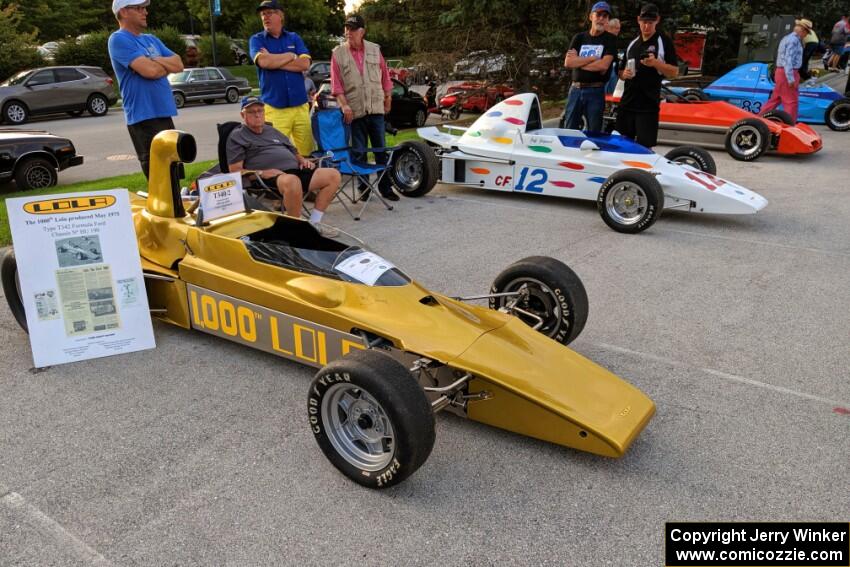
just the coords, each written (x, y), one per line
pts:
(269, 5)
(355, 21)
(648, 12)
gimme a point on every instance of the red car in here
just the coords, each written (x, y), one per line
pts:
(473, 96)
(722, 125)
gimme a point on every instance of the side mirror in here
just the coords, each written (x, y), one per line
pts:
(587, 146)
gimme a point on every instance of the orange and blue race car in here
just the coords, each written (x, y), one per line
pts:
(716, 124)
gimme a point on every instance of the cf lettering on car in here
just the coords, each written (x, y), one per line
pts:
(268, 330)
(66, 205)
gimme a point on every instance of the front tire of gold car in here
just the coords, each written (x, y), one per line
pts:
(12, 288)
(555, 298)
(371, 418)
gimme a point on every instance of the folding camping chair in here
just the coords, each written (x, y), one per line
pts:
(332, 136)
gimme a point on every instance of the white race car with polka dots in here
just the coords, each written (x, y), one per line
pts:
(507, 149)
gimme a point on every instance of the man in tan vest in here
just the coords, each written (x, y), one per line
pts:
(361, 84)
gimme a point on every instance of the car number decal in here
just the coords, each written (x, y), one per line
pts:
(268, 330)
(536, 180)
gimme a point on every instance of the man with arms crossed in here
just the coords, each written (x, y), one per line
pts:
(281, 58)
(142, 63)
(590, 56)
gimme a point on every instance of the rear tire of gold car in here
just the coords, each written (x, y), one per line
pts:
(556, 296)
(371, 418)
(12, 288)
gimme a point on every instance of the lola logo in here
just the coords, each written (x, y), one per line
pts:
(220, 186)
(69, 205)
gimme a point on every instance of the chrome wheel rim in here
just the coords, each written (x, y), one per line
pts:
(16, 113)
(39, 177)
(98, 105)
(232, 95)
(540, 301)
(746, 140)
(408, 171)
(840, 116)
(626, 203)
(358, 427)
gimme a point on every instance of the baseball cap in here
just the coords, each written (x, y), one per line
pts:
(118, 4)
(601, 7)
(648, 12)
(269, 5)
(251, 101)
(355, 21)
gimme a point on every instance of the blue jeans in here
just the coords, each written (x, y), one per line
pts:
(587, 102)
(370, 128)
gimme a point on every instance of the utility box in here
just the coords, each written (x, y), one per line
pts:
(760, 38)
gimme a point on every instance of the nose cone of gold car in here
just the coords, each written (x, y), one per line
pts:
(541, 389)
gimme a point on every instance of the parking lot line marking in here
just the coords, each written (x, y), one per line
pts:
(725, 375)
(49, 528)
(758, 242)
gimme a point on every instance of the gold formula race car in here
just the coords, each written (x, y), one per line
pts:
(390, 353)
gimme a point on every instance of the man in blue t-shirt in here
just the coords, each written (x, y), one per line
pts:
(141, 63)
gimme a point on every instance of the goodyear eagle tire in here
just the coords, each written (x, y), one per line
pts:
(12, 288)
(694, 157)
(630, 201)
(779, 116)
(555, 295)
(371, 418)
(747, 139)
(837, 116)
(414, 168)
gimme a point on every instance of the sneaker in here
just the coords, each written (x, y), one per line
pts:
(325, 230)
(363, 192)
(389, 195)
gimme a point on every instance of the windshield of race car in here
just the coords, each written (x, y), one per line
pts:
(299, 246)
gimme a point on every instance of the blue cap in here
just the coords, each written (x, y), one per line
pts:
(601, 7)
(250, 101)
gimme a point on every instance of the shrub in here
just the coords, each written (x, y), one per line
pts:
(170, 36)
(91, 50)
(17, 52)
(224, 54)
(319, 44)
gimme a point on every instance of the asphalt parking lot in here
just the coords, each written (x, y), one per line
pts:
(198, 452)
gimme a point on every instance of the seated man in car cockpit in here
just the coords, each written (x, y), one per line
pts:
(259, 147)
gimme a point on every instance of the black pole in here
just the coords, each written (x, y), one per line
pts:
(212, 31)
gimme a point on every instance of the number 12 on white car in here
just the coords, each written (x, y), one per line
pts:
(531, 180)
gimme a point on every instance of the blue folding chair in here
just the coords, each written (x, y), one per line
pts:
(333, 137)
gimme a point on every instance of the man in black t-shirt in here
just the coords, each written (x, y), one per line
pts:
(590, 56)
(648, 59)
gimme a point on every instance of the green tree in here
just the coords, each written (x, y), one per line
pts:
(58, 19)
(18, 52)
